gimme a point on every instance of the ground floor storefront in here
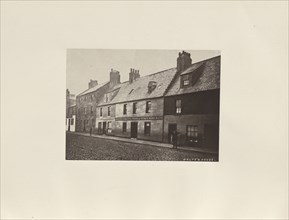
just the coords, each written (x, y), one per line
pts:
(139, 129)
(193, 130)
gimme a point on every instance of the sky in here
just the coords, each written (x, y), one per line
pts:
(86, 64)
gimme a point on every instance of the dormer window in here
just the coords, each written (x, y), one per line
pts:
(151, 86)
(185, 80)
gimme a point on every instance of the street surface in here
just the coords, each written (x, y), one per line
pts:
(80, 147)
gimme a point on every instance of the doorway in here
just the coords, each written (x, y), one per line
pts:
(172, 127)
(104, 128)
(133, 131)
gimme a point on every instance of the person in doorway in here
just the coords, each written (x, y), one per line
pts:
(175, 139)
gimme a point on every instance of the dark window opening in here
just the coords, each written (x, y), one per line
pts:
(148, 106)
(108, 110)
(134, 107)
(124, 109)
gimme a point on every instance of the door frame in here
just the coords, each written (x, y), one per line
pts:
(136, 131)
(170, 131)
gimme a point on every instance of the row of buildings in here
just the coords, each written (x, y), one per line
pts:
(185, 99)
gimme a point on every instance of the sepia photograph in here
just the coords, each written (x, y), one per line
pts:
(159, 105)
(144, 110)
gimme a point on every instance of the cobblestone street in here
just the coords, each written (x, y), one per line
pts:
(92, 148)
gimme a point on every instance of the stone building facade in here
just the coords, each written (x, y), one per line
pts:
(185, 98)
(134, 109)
(86, 103)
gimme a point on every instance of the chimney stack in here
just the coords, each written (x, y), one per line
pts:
(92, 83)
(114, 78)
(184, 61)
(133, 75)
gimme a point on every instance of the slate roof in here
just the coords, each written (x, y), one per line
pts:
(139, 88)
(208, 79)
(115, 88)
(93, 89)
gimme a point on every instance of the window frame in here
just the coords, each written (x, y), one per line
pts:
(148, 106)
(185, 80)
(134, 107)
(124, 109)
(178, 106)
(192, 134)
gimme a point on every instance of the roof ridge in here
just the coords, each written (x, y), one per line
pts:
(100, 85)
(158, 72)
(205, 60)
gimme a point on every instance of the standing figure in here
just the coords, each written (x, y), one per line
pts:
(175, 139)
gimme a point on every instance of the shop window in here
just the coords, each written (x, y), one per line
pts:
(192, 133)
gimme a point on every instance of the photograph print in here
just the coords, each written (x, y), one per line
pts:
(143, 105)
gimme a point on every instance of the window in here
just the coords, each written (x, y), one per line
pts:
(124, 109)
(178, 106)
(108, 110)
(71, 121)
(91, 109)
(100, 112)
(134, 108)
(124, 126)
(148, 106)
(85, 111)
(192, 133)
(147, 128)
(186, 80)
